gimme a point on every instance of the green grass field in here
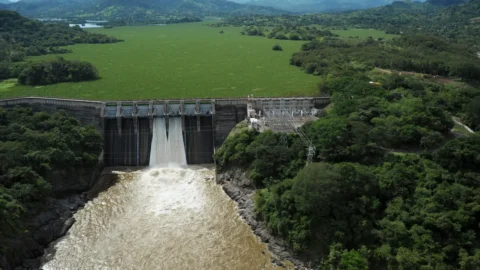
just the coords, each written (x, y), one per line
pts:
(362, 33)
(180, 61)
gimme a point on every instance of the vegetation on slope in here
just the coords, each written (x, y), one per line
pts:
(31, 145)
(337, 62)
(361, 204)
(417, 53)
(357, 199)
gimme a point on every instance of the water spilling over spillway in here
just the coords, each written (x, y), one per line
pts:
(161, 218)
(167, 150)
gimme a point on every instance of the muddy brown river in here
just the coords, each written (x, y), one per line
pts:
(169, 218)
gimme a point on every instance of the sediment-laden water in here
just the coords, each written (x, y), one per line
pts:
(169, 218)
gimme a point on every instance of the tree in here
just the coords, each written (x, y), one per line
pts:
(431, 140)
(277, 47)
(353, 260)
(347, 196)
(472, 114)
(294, 36)
(460, 154)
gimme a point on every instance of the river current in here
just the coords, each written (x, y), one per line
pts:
(165, 218)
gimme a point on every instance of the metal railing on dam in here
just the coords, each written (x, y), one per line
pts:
(126, 125)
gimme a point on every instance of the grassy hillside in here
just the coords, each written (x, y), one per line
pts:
(181, 61)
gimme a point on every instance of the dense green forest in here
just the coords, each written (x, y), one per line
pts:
(21, 37)
(455, 23)
(31, 145)
(391, 187)
(366, 201)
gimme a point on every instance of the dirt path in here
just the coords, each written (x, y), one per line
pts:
(457, 121)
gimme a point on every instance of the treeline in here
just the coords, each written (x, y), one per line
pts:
(31, 145)
(364, 202)
(49, 72)
(157, 19)
(287, 32)
(417, 53)
(57, 71)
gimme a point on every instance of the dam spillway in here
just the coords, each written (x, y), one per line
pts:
(128, 126)
(131, 130)
(167, 149)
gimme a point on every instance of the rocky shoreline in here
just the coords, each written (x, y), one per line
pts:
(25, 251)
(240, 189)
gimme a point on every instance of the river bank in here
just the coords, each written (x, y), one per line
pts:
(24, 251)
(160, 218)
(241, 190)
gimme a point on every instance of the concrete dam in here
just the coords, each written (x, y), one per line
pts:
(128, 126)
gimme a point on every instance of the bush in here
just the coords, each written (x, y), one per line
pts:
(277, 47)
(16, 56)
(431, 140)
(294, 37)
(4, 71)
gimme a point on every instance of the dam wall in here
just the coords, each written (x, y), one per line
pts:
(227, 115)
(127, 126)
(87, 112)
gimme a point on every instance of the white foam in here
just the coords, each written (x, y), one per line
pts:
(168, 151)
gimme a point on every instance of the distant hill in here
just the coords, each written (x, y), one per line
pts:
(311, 6)
(447, 2)
(457, 23)
(142, 10)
